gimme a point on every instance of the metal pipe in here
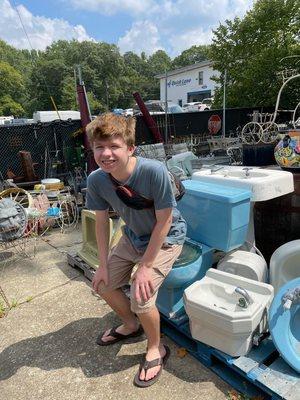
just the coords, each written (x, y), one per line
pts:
(224, 104)
(279, 95)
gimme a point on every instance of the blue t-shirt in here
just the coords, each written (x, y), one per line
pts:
(149, 178)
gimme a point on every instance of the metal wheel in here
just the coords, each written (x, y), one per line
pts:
(18, 195)
(68, 215)
(270, 132)
(251, 133)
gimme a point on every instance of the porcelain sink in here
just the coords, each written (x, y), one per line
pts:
(242, 174)
(265, 184)
(219, 315)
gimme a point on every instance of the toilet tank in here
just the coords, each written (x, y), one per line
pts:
(216, 215)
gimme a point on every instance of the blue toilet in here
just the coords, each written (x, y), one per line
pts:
(284, 322)
(217, 217)
(192, 264)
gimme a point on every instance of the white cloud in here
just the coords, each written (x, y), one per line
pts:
(185, 40)
(143, 36)
(172, 25)
(41, 31)
(110, 7)
(177, 24)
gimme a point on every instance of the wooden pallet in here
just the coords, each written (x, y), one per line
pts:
(76, 262)
(260, 373)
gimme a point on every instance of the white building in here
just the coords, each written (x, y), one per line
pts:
(190, 83)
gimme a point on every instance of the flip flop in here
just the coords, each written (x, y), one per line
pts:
(117, 336)
(150, 364)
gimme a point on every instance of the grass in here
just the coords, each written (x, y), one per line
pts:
(2, 309)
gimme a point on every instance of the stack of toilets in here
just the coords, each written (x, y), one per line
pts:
(224, 309)
(229, 304)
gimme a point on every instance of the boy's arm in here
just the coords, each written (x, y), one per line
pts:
(102, 237)
(143, 275)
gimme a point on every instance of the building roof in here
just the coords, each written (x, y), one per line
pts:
(206, 63)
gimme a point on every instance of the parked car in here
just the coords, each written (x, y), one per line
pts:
(118, 111)
(192, 106)
(156, 107)
(127, 112)
(202, 105)
(208, 102)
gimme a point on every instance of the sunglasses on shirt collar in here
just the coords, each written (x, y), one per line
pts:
(130, 197)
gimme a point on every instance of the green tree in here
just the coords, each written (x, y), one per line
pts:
(250, 51)
(159, 62)
(8, 106)
(190, 56)
(68, 94)
(11, 90)
(46, 81)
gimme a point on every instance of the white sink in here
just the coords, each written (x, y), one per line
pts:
(217, 312)
(265, 184)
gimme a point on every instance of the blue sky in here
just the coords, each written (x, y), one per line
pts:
(133, 25)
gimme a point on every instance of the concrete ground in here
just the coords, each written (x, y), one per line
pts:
(47, 341)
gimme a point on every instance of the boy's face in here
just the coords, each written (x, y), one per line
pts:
(112, 154)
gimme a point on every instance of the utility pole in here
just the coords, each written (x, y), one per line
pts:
(224, 104)
(107, 96)
(166, 107)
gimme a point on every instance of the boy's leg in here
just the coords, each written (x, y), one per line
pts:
(148, 313)
(151, 323)
(120, 266)
(120, 303)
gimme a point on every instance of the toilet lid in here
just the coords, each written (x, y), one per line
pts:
(284, 326)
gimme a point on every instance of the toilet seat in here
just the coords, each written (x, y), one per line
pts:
(284, 325)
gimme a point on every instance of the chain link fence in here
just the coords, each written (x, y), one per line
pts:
(55, 147)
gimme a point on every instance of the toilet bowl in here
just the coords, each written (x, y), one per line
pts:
(192, 264)
(284, 324)
(246, 264)
(284, 264)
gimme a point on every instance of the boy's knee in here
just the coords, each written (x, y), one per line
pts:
(104, 290)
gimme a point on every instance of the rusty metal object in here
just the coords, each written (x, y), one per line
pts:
(27, 166)
(150, 122)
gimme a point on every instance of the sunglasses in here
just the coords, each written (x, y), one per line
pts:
(130, 197)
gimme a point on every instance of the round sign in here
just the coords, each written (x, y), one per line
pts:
(214, 124)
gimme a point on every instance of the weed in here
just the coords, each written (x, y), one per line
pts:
(2, 309)
(233, 395)
(14, 303)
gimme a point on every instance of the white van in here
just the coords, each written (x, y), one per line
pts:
(48, 116)
(202, 105)
(6, 120)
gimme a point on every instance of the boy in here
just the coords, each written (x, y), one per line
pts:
(140, 191)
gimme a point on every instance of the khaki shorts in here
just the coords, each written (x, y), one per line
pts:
(122, 259)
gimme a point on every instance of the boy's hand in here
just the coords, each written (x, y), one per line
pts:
(143, 283)
(100, 275)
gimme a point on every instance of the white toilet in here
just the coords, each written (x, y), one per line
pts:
(285, 264)
(246, 264)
